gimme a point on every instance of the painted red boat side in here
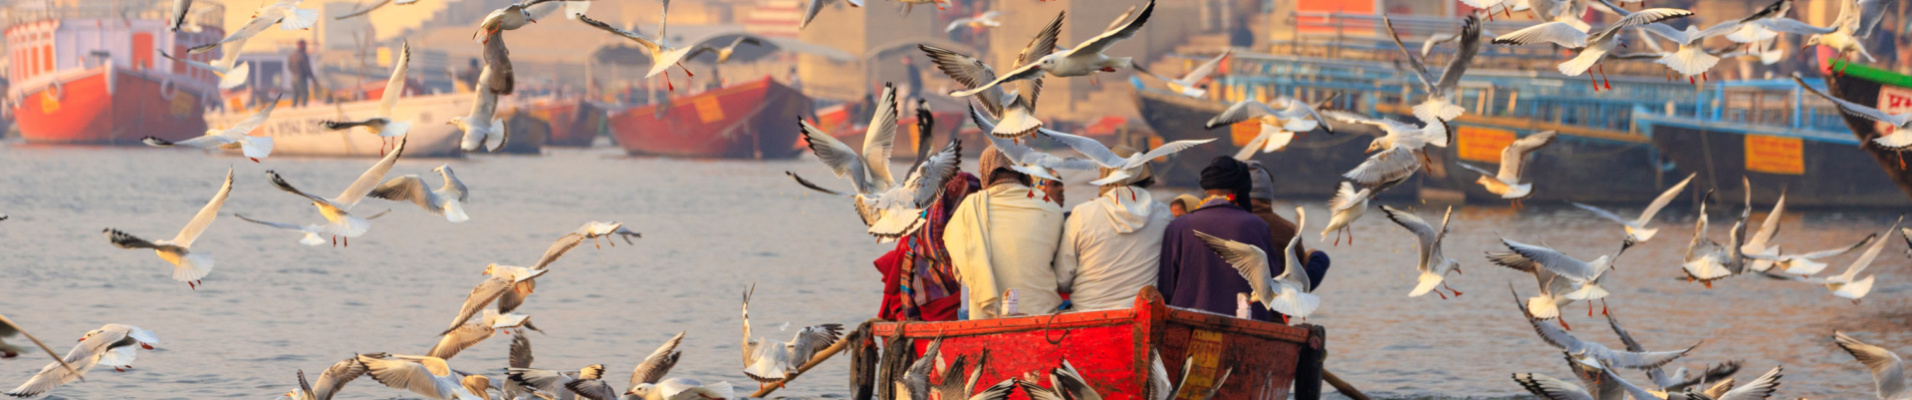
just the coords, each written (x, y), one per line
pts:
(755, 119)
(82, 111)
(1110, 348)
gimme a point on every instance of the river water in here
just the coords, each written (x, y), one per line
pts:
(712, 228)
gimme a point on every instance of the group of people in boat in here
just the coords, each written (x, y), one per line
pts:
(999, 242)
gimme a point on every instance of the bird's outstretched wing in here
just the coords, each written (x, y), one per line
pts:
(206, 214)
(659, 363)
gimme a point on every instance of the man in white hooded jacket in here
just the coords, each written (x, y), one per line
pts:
(1112, 246)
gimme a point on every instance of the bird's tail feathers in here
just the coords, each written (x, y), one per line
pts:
(396, 128)
(255, 146)
(455, 211)
(1427, 283)
(192, 267)
(236, 76)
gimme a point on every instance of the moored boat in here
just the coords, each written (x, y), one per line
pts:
(295, 131)
(113, 87)
(1780, 138)
(1111, 349)
(755, 119)
(575, 122)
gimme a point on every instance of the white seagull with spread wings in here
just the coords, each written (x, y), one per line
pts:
(188, 266)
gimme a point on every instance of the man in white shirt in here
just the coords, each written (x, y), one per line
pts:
(1004, 238)
(1112, 246)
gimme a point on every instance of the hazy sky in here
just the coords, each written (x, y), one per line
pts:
(390, 20)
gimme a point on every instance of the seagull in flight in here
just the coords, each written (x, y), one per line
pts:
(383, 125)
(1289, 293)
(113, 345)
(447, 200)
(188, 266)
(1511, 182)
(1433, 265)
(663, 55)
(1085, 59)
(1016, 109)
(1278, 127)
(335, 209)
(285, 13)
(1442, 92)
(237, 136)
(1636, 229)
(1186, 85)
(1888, 370)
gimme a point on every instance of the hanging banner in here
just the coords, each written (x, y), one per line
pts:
(1775, 155)
(1482, 144)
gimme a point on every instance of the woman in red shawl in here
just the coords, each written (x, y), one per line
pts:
(918, 282)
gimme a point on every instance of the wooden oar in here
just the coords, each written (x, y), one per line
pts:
(49, 351)
(1342, 386)
(814, 361)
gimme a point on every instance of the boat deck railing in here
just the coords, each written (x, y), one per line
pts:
(204, 13)
(1546, 97)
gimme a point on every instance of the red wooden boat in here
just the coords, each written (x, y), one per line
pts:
(755, 119)
(112, 87)
(574, 121)
(1111, 348)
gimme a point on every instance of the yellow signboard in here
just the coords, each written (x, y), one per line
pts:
(384, 57)
(1775, 155)
(1206, 347)
(1482, 144)
(709, 110)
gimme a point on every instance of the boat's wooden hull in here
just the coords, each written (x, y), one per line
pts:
(1813, 169)
(1885, 90)
(109, 106)
(756, 119)
(1111, 348)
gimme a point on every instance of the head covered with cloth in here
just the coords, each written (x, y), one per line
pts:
(1004, 238)
(1191, 275)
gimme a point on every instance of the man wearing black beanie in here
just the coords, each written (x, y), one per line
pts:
(1192, 276)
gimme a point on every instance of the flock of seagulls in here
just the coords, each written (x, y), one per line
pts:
(1399, 151)
(892, 209)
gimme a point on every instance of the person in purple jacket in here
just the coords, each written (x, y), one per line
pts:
(1194, 277)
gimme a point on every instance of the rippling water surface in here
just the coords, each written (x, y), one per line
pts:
(711, 228)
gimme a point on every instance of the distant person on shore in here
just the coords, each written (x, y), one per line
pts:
(1004, 238)
(1180, 205)
(301, 68)
(1281, 229)
(1191, 275)
(919, 281)
(470, 75)
(1112, 246)
(913, 79)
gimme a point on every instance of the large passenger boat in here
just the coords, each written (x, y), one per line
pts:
(755, 119)
(91, 72)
